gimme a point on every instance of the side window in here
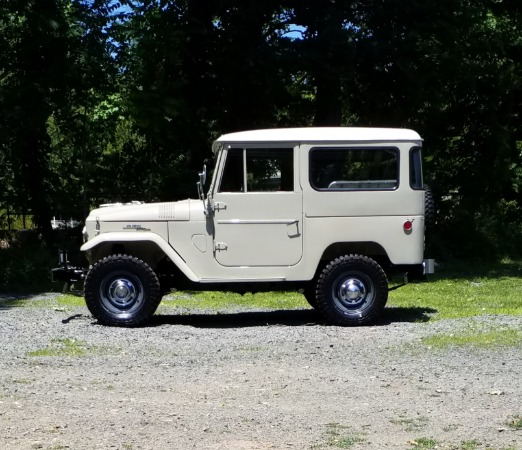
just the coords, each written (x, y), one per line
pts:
(341, 169)
(270, 170)
(416, 181)
(266, 170)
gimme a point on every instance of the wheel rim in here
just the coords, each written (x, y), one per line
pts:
(353, 292)
(121, 294)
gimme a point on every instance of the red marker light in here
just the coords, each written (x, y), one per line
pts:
(408, 225)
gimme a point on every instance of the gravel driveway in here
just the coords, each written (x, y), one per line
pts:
(250, 380)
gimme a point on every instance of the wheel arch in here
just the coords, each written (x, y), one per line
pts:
(365, 248)
(149, 247)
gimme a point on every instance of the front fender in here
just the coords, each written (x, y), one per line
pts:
(105, 238)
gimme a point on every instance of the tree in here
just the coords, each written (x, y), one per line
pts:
(54, 62)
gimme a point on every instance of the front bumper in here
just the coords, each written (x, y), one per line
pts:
(68, 274)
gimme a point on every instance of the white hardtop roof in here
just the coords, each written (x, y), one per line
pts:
(328, 134)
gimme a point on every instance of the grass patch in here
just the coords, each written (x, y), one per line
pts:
(20, 303)
(501, 337)
(338, 437)
(516, 423)
(469, 445)
(452, 294)
(411, 424)
(424, 443)
(22, 381)
(69, 300)
(215, 300)
(62, 348)
(44, 301)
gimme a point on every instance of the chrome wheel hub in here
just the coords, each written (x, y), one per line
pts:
(122, 291)
(352, 291)
(122, 294)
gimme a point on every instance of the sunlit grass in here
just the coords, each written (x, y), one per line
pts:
(225, 300)
(456, 291)
(424, 443)
(463, 296)
(68, 300)
(498, 337)
(60, 348)
(339, 436)
(45, 301)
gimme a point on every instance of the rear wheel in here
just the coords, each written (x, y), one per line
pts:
(122, 290)
(352, 290)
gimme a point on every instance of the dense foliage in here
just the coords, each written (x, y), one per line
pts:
(106, 101)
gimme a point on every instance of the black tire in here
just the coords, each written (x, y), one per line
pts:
(352, 290)
(121, 290)
(429, 208)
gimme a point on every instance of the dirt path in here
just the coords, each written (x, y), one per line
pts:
(253, 380)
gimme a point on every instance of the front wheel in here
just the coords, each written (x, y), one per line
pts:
(122, 290)
(352, 290)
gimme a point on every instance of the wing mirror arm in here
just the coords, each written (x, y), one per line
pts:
(201, 182)
(207, 205)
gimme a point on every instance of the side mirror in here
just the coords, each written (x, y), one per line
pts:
(201, 182)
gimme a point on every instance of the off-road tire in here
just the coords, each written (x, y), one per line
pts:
(352, 290)
(122, 290)
(429, 208)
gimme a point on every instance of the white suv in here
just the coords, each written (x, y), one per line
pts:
(330, 211)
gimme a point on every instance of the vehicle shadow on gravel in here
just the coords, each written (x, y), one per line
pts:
(295, 318)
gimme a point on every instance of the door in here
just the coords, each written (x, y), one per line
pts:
(258, 209)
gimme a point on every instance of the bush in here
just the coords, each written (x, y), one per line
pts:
(25, 262)
(489, 233)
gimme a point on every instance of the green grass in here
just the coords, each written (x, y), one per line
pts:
(452, 294)
(71, 301)
(516, 422)
(414, 424)
(62, 347)
(449, 294)
(225, 300)
(456, 291)
(469, 445)
(73, 348)
(62, 301)
(495, 337)
(424, 443)
(338, 437)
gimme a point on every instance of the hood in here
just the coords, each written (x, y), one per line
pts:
(148, 212)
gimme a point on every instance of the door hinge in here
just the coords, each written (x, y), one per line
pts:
(219, 246)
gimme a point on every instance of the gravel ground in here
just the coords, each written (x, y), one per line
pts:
(250, 380)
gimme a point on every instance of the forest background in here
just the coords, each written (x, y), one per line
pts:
(104, 101)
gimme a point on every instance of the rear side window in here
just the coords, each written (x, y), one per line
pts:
(416, 181)
(352, 169)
